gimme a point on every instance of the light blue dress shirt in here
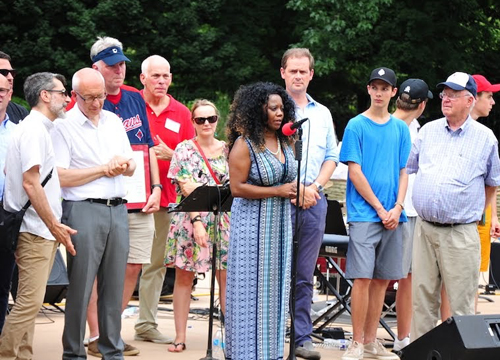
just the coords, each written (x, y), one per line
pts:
(6, 128)
(319, 140)
(453, 168)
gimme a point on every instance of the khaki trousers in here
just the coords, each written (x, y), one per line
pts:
(443, 255)
(152, 275)
(34, 258)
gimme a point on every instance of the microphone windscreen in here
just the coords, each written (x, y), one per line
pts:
(287, 129)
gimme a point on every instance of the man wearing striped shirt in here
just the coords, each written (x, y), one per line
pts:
(458, 169)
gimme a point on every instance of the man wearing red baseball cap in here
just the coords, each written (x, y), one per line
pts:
(489, 226)
(484, 101)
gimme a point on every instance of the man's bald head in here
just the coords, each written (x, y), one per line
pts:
(87, 77)
(155, 77)
(90, 91)
(153, 60)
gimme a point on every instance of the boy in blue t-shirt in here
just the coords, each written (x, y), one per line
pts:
(375, 147)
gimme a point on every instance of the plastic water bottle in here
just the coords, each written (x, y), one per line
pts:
(218, 346)
(339, 344)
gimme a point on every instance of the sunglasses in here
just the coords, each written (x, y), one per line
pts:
(6, 72)
(201, 120)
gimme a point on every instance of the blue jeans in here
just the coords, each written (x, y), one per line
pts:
(311, 230)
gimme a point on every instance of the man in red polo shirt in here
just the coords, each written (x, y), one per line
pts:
(169, 123)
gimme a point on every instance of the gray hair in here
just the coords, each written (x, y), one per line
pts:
(147, 61)
(103, 43)
(35, 83)
(473, 100)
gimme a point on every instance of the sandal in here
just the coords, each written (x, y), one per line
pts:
(173, 347)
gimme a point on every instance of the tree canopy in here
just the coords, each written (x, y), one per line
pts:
(216, 46)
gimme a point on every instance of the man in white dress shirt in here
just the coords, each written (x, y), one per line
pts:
(30, 158)
(93, 155)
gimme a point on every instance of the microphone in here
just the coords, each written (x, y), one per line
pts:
(291, 128)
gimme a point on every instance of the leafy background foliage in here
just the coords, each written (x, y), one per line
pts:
(216, 46)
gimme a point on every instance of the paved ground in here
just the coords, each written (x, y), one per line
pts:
(49, 326)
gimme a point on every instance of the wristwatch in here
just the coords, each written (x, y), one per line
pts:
(156, 185)
(195, 219)
(400, 204)
(319, 186)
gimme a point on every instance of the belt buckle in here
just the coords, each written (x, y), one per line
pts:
(108, 202)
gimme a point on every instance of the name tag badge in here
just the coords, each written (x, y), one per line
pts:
(172, 125)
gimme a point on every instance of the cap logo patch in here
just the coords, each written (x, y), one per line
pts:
(381, 72)
(115, 51)
(407, 89)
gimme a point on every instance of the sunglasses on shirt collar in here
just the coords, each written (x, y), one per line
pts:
(201, 120)
(6, 72)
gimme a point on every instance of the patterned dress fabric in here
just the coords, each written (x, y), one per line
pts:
(258, 279)
(182, 251)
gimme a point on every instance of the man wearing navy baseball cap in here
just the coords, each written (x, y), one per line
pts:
(455, 159)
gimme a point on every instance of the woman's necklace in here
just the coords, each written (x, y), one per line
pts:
(275, 153)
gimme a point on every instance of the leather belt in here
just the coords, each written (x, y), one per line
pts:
(446, 224)
(108, 202)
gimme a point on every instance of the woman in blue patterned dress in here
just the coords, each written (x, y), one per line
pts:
(189, 241)
(262, 170)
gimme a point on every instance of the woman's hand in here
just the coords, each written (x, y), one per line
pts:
(200, 234)
(187, 186)
(309, 196)
(288, 190)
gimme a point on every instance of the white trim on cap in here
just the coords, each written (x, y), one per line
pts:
(458, 78)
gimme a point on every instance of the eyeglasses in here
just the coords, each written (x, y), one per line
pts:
(63, 92)
(201, 120)
(91, 99)
(452, 97)
(4, 91)
(6, 72)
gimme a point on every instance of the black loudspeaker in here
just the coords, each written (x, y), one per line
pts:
(168, 283)
(57, 285)
(468, 337)
(58, 282)
(495, 265)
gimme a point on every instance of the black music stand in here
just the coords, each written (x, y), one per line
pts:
(214, 199)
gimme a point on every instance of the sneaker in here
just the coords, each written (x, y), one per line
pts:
(129, 350)
(354, 351)
(93, 349)
(399, 344)
(377, 351)
(306, 351)
(154, 336)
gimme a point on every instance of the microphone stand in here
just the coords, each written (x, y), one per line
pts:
(295, 248)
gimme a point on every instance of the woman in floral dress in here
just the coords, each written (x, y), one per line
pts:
(189, 242)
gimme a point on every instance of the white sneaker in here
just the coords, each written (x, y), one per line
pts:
(377, 351)
(399, 344)
(353, 352)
